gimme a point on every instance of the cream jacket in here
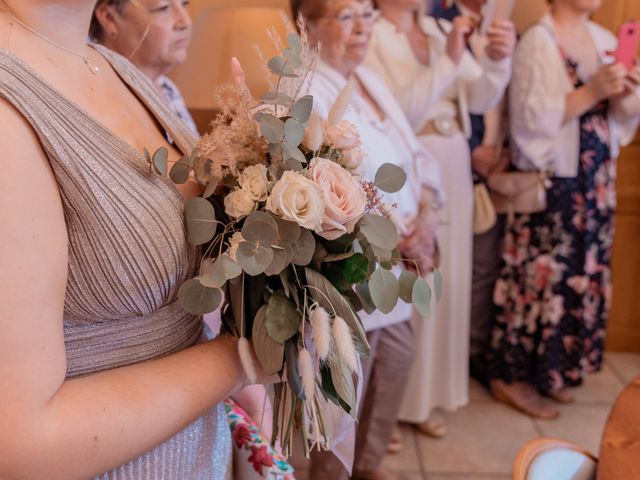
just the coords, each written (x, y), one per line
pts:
(541, 139)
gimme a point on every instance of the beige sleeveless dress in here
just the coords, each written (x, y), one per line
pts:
(127, 255)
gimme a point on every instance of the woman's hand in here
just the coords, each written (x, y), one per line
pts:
(419, 246)
(502, 40)
(632, 82)
(462, 27)
(608, 82)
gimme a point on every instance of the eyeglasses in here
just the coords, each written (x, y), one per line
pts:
(348, 17)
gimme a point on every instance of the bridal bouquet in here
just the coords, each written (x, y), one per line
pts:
(294, 241)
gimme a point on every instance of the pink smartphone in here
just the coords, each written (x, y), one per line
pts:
(628, 40)
(495, 10)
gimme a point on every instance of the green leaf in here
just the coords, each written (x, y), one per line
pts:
(294, 42)
(288, 232)
(179, 173)
(293, 375)
(282, 318)
(201, 220)
(254, 259)
(293, 132)
(384, 289)
(211, 188)
(223, 269)
(362, 290)
(147, 155)
(301, 110)
(280, 66)
(160, 161)
(437, 284)
(390, 178)
(342, 379)
(337, 257)
(407, 280)
(379, 231)
(282, 255)
(332, 301)
(260, 232)
(269, 352)
(272, 128)
(294, 153)
(355, 268)
(421, 297)
(197, 299)
(273, 98)
(293, 57)
(304, 248)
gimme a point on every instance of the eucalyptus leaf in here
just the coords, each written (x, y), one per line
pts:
(437, 284)
(272, 128)
(390, 178)
(260, 232)
(421, 297)
(294, 153)
(384, 289)
(293, 132)
(223, 269)
(179, 173)
(287, 231)
(254, 259)
(274, 98)
(407, 281)
(332, 301)
(211, 188)
(293, 57)
(201, 220)
(337, 257)
(269, 352)
(294, 42)
(197, 299)
(362, 290)
(160, 161)
(381, 254)
(282, 318)
(304, 248)
(281, 258)
(379, 231)
(301, 110)
(280, 66)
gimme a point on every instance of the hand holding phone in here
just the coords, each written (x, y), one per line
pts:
(628, 40)
(495, 10)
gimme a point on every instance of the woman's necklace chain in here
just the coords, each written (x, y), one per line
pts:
(85, 59)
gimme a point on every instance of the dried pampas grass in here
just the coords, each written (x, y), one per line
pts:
(321, 332)
(305, 367)
(344, 343)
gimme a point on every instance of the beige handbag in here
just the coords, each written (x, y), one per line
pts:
(484, 213)
(519, 192)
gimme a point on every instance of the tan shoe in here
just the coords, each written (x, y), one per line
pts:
(524, 398)
(435, 426)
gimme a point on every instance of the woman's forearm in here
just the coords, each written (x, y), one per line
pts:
(95, 423)
(579, 102)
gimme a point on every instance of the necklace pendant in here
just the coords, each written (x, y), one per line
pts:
(92, 68)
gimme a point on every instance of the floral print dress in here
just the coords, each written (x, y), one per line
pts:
(553, 294)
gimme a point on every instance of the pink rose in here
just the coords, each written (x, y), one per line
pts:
(343, 135)
(351, 159)
(344, 198)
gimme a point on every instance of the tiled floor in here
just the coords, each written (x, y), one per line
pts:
(485, 436)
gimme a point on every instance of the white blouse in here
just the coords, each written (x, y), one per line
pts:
(388, 141)
(541, 139)
(472, 86)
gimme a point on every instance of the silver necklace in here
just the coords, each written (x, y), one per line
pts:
(85, 59)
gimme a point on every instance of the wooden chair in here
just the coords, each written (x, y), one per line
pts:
(553, 459)
(220, 33)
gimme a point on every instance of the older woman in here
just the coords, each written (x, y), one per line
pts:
(104, 374)
(571, 109)
(343, 28)
(438, 83)
(154, 35)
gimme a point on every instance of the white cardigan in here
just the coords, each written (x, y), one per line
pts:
(540, 84)
(392, 141)
(480, 84)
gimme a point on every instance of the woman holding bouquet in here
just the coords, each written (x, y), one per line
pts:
(102, 371)
(343, 27)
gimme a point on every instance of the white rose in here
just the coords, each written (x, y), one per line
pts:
(253, 180)
(344, 197)
(297, 199)
(235, 240)
(238, 204)
(343, 135)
